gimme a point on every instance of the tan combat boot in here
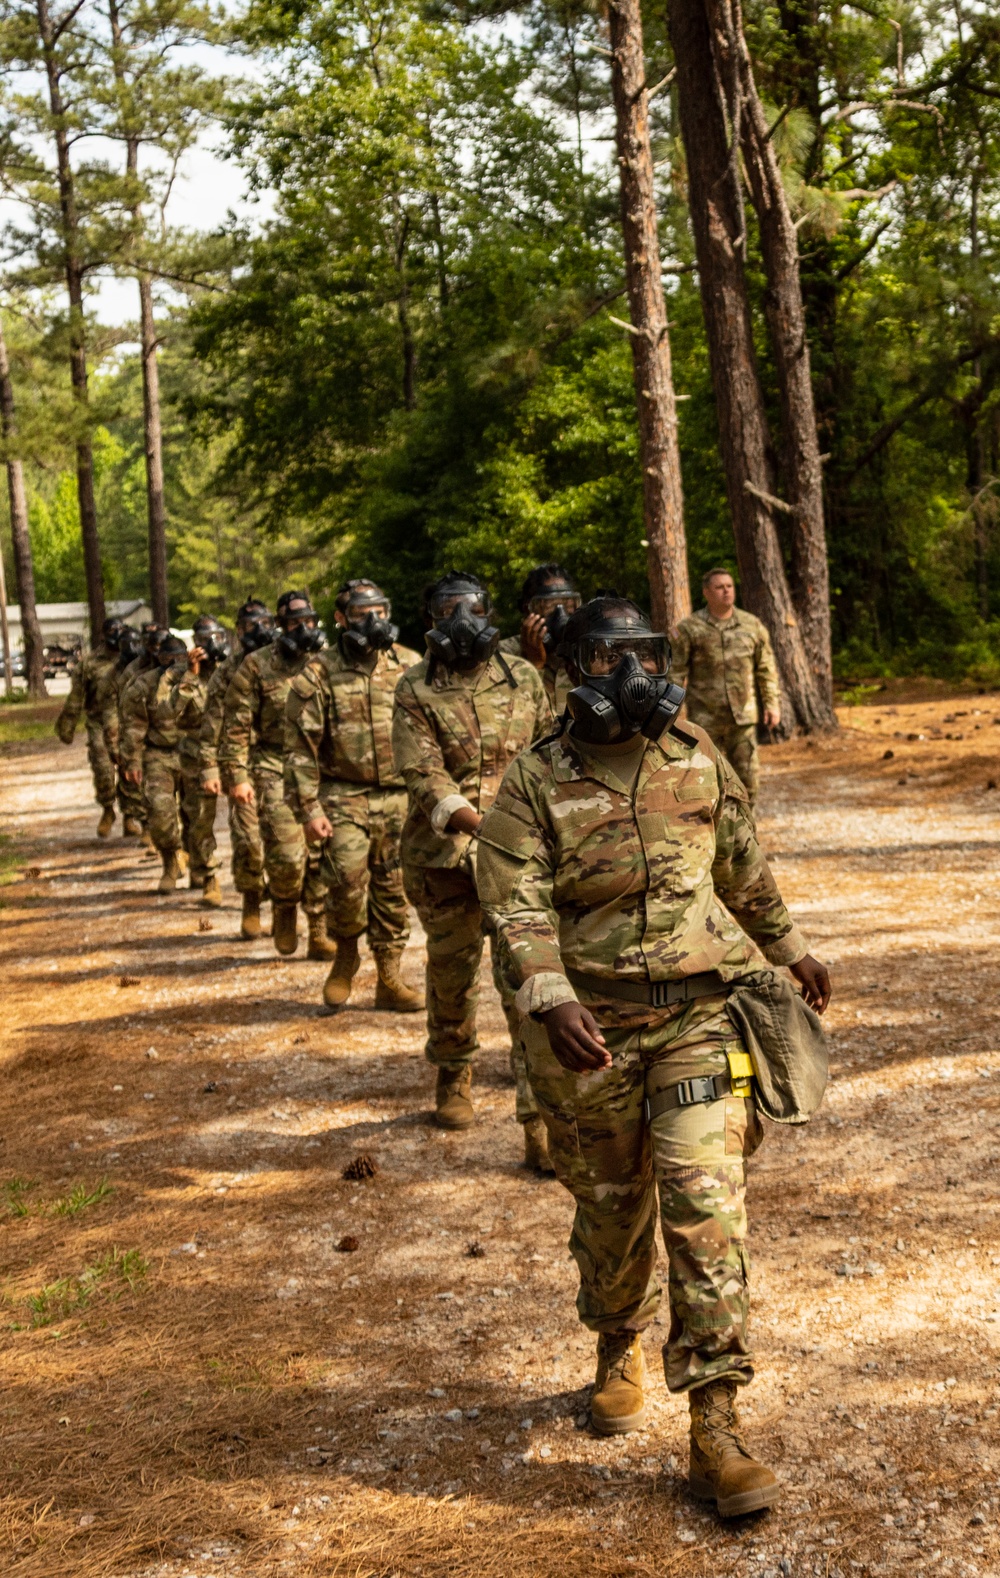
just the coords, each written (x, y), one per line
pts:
(536, 1148)
(453, 1102)
(107, 822)
(337, 986)
(182, 861)
(392, 992)
(131, 828)
(618, 1404)
(250, 919)
(321, 946)
(722, 1469)
(211, 893)
(171, 872)
(146, 841)
(285, 926)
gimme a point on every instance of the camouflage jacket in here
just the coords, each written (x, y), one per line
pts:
(210, 731)
(453, 738)
(338, 728)
(553, 676)
(113, 699)
(84, 699)
(654, 885)
(253, 714)
(725, 664)
(149, 718)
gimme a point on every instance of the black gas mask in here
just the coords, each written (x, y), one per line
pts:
(129, 646)
(555, 603)
(461, 636)
(623, 689)
(171, 650)
(256, 630)
(112, 633)
(299, 632)
(212, 638)
(369, 628)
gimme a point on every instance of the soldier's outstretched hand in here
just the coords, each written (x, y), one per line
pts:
(814, 979)
(575, 1038)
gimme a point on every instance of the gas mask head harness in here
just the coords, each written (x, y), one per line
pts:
(298, 624)
(549, 592)
(623, 663)
(369, 629)
(171, 650)
(461, 635)
(212, 637)
(129, 645)
(152, 636)
(254, 625)
(111, 631)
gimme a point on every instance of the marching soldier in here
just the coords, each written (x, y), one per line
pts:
(251, 757)
(129, 797)
(210, 650)
(254, 630)
(150, 754)
(462, 714)
(620, 866)
(548, 598)
(84, 699)
(724, 657)
(346, 791)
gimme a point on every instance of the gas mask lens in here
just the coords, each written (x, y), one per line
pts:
(569, 602)
(451, 603)
(601, 656)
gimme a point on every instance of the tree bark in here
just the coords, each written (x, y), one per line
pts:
(810, 575)
(49, 34)
(720, 238)
(24, 569)
(662, 491)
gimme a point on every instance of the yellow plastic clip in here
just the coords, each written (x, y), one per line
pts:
(740, 1071)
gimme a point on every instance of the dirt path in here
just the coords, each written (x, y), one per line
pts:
(197, 1381)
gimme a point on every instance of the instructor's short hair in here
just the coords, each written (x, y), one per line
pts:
(719, 569)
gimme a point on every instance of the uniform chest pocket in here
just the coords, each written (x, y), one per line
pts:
(741, 644)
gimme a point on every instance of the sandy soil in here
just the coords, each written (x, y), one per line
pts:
(196, 1380)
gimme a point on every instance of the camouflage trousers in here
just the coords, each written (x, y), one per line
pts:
(445, 898)
(614, 1162)
(101, 766)
(130, 800)
(360, 870)
(198, 816)
(291, 870)
(247, 846)
(162, 789)
(737, 742)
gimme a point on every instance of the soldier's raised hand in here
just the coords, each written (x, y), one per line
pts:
(575, 1038)
(195, 659)
(533, 639)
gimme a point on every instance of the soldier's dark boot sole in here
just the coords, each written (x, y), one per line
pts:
(739, 1504)
(619, 1425)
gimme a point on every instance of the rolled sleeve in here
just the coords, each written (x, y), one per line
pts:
(541, 992)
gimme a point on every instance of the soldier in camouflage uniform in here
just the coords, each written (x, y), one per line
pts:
(113, 696)
(150, 754)
(254, 629)
(724, 657)
(129, 797)
(89, 678)
(251, 757)
(462, 715)
(548, 597)
(628, 891)
(198, 808)
(342, 784)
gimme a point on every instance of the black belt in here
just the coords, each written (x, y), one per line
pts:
(689, 1093)
(652, 994)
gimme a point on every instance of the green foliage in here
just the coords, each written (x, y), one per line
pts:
(80, 1198)
(110, 1276)
(13, 1192)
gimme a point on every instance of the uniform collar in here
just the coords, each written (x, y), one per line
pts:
(568, 763)
(484, 678)
(720, 624)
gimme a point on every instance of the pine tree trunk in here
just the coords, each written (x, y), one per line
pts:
(663, 496)
(77, 327)
(810, 576)
(24, 569)
(720, 239)
(155, 505)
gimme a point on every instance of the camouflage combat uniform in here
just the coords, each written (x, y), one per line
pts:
(198, 810)
(453, 738)
(129, 795)
(554, 675)
(338, 764)
(251, 750)
(89, 677)
(647, 875)
(150, 740)
(244, 824)
(724, 664)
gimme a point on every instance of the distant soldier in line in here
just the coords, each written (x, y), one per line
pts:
(84, 700)
(254, 629)
(724, 657)
(548, 597)
(129, 797)
(345, 789)
(462, 715)
(251, 756)
(210, 650)
(620, 866)
(151, 634)
(150, 755)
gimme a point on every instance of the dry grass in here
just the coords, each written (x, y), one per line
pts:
(219, 1390)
